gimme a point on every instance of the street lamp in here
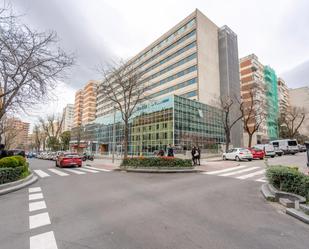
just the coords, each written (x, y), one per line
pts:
(114, 134)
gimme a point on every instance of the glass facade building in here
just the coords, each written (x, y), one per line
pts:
(173, 120)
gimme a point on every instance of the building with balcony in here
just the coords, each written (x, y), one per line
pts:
(68, 117)
(283, 96)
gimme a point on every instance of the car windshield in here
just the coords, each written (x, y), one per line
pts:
(292, 143)
(71, 155)
(244, 150)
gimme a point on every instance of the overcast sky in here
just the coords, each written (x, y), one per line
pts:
(99, 30)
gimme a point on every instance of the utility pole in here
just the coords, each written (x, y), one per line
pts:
(114, 134)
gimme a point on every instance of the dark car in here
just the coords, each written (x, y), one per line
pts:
(16, 153)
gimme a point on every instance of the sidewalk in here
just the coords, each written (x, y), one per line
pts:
(105, 163)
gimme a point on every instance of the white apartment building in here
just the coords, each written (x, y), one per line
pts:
(68, 117)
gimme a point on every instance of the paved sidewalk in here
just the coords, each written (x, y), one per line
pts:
(104, 163)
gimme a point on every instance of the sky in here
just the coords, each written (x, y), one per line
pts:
(99, 31)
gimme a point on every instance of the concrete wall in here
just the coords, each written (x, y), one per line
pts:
(208, 61)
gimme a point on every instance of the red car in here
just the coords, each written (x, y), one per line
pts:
(68, 160)
(257, 153)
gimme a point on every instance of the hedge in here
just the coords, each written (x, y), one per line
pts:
(9, 162)
(21, 160)
(289, 180)
(156, 162)
(10, 174)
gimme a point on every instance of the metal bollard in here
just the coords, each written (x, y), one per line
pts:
(307, 148)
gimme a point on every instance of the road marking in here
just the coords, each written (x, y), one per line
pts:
(260, 172)
(90, 167)
(43, 241)
(35, 196)
(41, 173)
(239, 171)
(263, 179)
(36, 189)
(89, 170)
(58, 172)
(38, 205)
(39, 220)
(75, 171)
(224, 170)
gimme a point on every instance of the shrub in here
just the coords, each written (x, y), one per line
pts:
(9, 162)
(21, 160)
(156, 162)
(289, 180)
(10, 174)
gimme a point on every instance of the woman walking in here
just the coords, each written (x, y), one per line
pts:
(193, 153)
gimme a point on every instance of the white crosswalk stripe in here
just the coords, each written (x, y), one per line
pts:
(58, 172)
(75, 171)
(89, 170)
(90, 167)
(41, 173)
(242, 172)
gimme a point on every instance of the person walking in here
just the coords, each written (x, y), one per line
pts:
(198, 156)
(193, 152)
(170, 151)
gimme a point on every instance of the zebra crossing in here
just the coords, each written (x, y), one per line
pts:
(68, 171)
(242, 172)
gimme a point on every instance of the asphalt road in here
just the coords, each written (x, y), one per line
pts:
(117, 210)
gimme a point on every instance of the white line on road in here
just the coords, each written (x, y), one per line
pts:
(35, 196)
(36, 189)
(39, 220)
(239, 171)
(224, 170)
(90, 167)
(41, 173)
(43, 241)
(74, 171)
(38, 205)
(58, 172)
(89, 170)
(260, 172)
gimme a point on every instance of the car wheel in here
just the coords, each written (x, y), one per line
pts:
(79, 165)
(293, 154)
(237, 158)
(56, 164)
(224, 158)
(261, 158)
(272, 156)
(249, 160)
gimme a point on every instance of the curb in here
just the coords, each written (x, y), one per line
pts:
(162, 170)
(298, 215)
(13, 186)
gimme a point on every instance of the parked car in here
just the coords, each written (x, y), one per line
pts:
(238, 154)
(16, 152)
(68, 159)
(288, 146)
(257, 153)
(267, 148)
(302, 148)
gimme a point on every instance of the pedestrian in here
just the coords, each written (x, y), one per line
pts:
(193, 151)
(198, 156)
(170, 151)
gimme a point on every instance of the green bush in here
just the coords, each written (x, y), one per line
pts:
(21, 160)
(11, 174)
(156, 162)
(289, 180)
(9, 162)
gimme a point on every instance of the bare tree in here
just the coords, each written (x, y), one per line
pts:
(122, 86)
(30, 64)
(39, 137)
(291, 121)
(51, 127)
(227, 104)
(253, 113)
(9, 132)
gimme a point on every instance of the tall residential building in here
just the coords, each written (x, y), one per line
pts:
(68, 117)
(299, 97)
(195, 59)
(78, 108)
(283, 96)
(85, 104)
(261, 81)
(16, 134)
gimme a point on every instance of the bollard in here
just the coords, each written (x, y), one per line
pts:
(296, 205)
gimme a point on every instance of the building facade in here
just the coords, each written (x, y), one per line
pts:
(299, 97)
(196, 60)
(16, 134)
(85, 104)
(156, 124)
(259, 85)
(283, 96)
(68, 117)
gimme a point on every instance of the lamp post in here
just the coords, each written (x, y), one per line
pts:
(114, 134)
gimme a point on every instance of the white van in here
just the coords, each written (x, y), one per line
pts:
(288, 146)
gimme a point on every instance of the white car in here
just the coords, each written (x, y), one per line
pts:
(268, 149)
(238, 154)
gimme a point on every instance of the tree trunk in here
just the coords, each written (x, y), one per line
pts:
(228, 140)
(126, 139)
(250, 140)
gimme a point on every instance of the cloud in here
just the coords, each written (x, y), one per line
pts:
(297, 76)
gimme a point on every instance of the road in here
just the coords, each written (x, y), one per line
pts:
(116, 210)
